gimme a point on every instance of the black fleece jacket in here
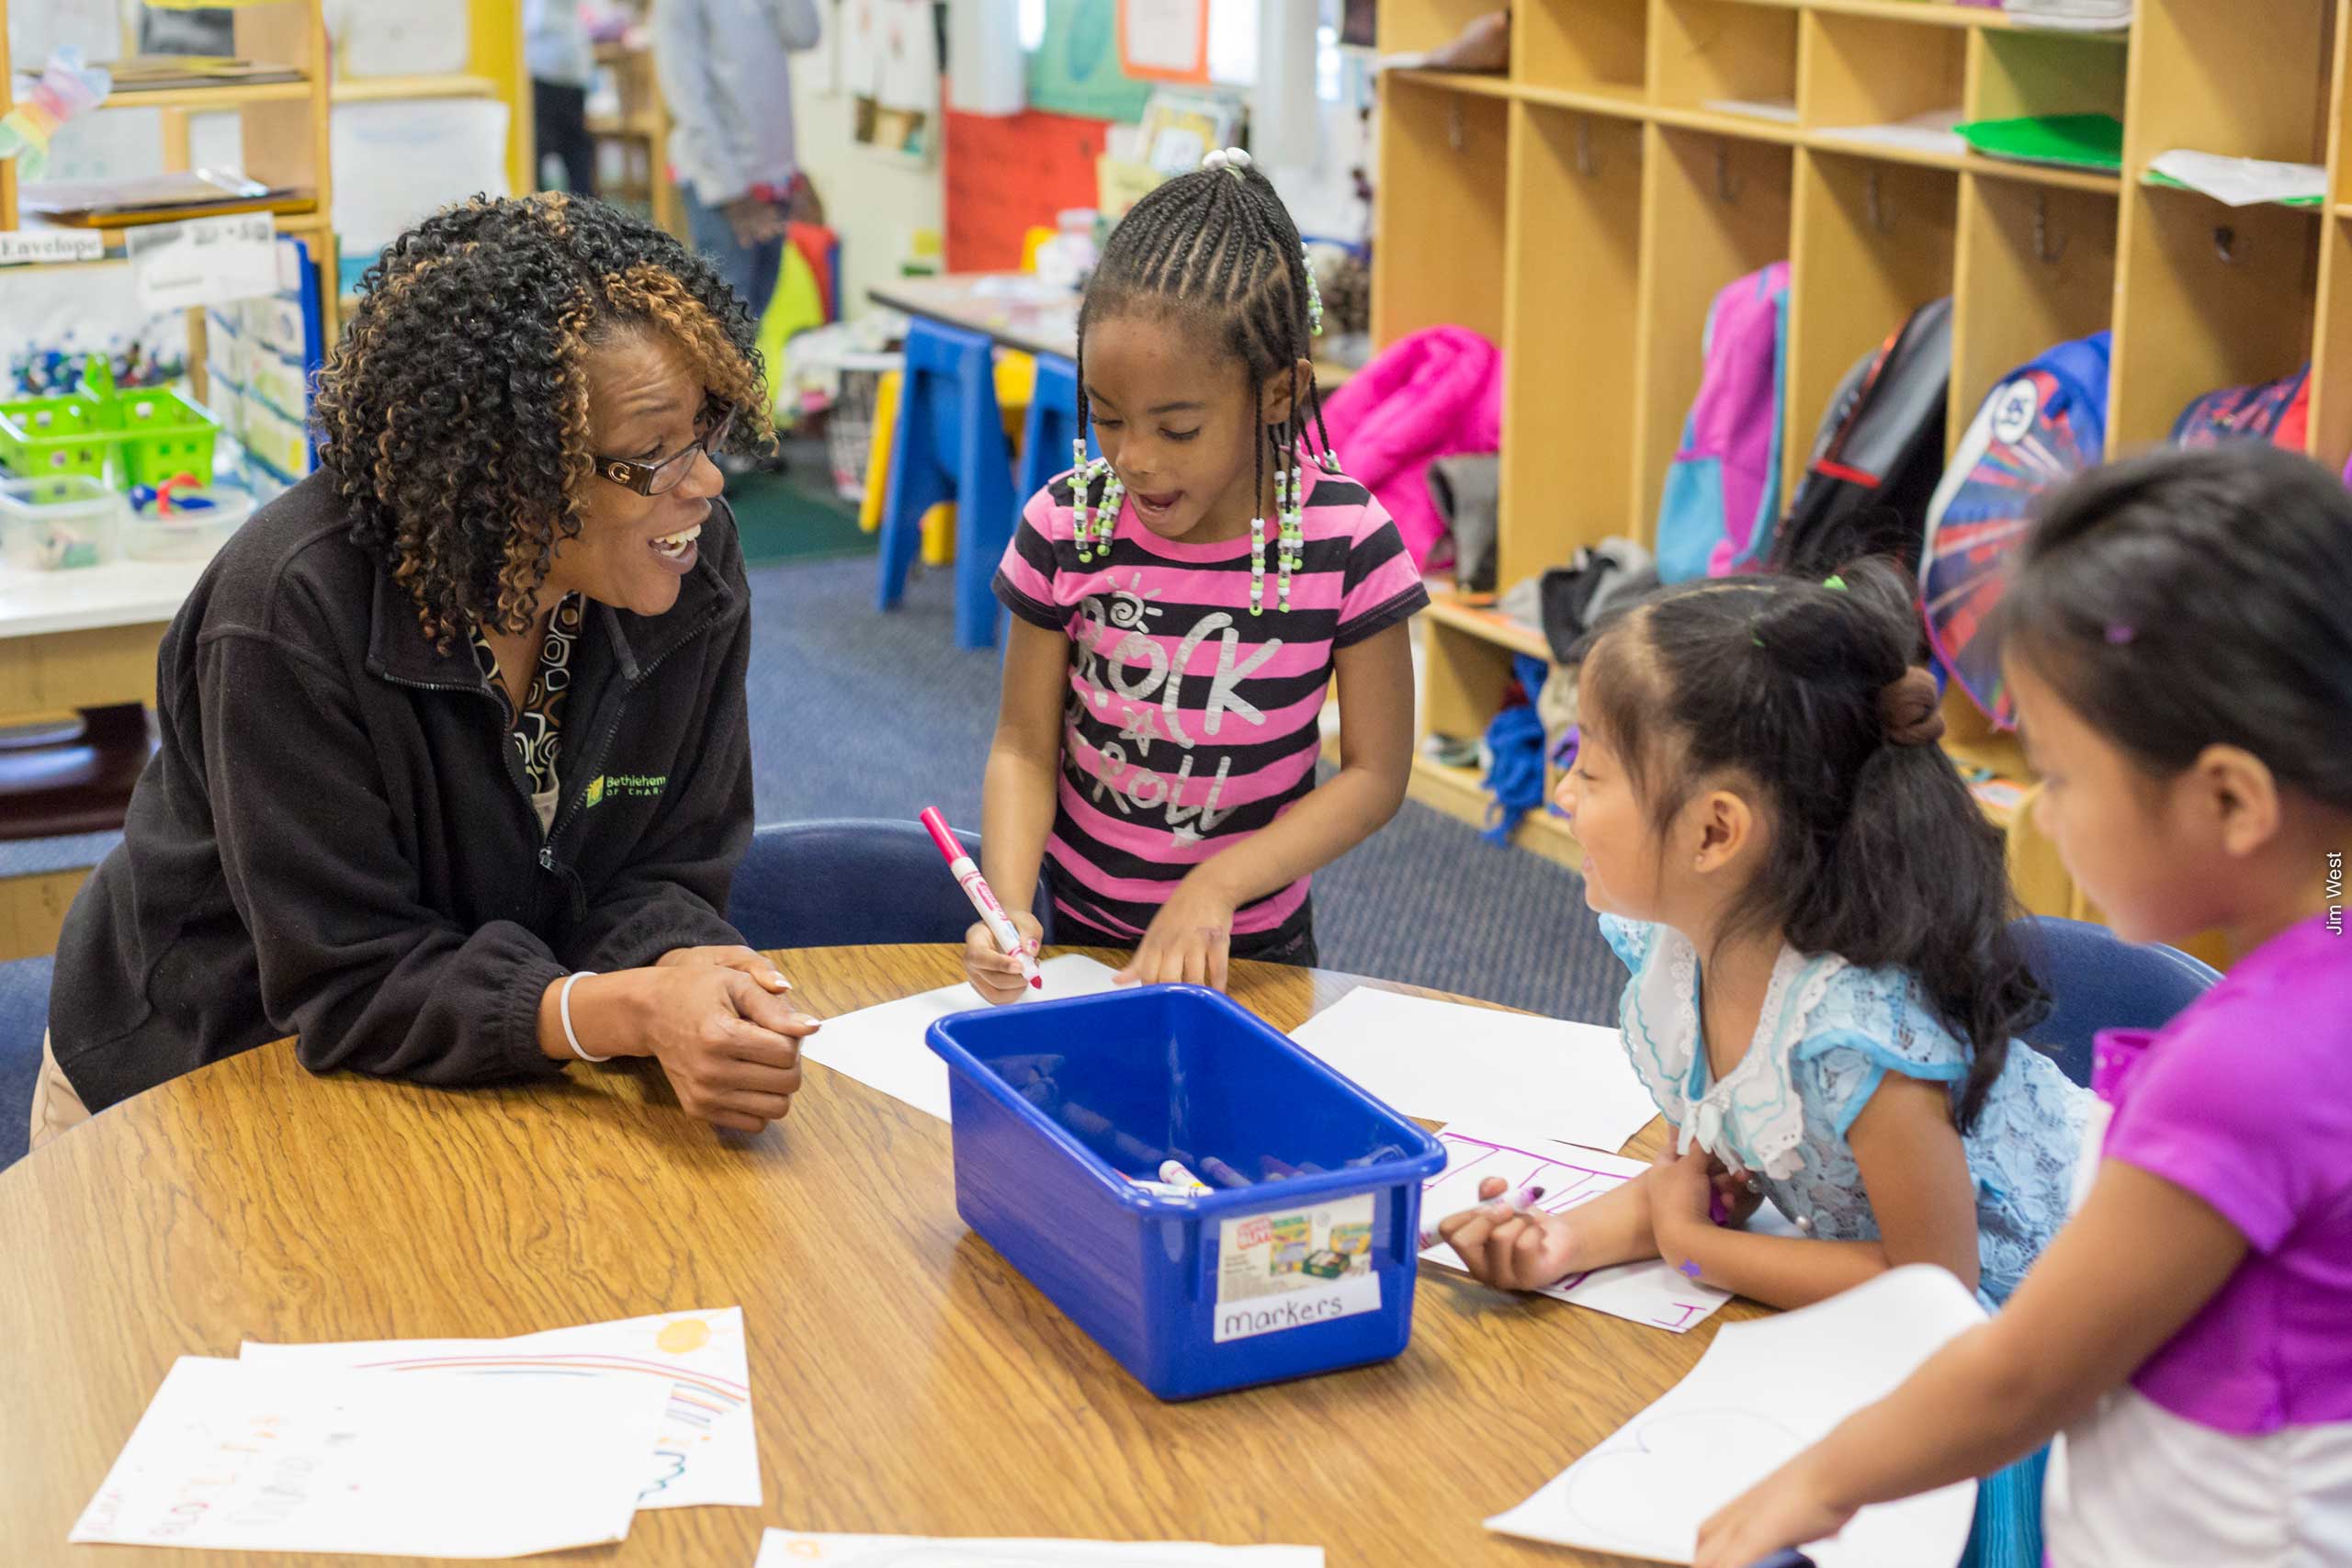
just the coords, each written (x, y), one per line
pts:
(337, 841)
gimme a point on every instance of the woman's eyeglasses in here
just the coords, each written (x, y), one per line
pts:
(660, 478)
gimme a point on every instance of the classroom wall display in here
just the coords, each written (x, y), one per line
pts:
(1005, 176)
(1165, 40)
(888, 59)
(1076, 70)
(53, 321)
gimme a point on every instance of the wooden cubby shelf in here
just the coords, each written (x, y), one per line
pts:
(1584, 209)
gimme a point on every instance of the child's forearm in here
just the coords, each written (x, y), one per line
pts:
(1780, 1271)
(1960, 1416)
(1615, 1227)
(1016, 818)
(1336, 817)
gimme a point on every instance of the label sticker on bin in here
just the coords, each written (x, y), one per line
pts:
(1291, 1268)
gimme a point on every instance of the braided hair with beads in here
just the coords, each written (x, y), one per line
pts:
(1217, 248)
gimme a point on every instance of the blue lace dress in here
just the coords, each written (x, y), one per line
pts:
(1828, 1036)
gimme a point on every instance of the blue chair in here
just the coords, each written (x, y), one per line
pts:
(950, 447)
(24, 1018)
(1052, 426)
(846, 883)
(2096, 980)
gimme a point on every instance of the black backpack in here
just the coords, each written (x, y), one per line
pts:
(1878, 457)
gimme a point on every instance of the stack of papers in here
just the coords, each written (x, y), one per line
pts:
(1763, 1392)
(449, 1448)
(2241, 182)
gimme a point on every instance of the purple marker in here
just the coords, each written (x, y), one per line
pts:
(1518, 1202)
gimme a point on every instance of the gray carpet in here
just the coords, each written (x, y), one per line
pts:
(855, 714)
(859, 714)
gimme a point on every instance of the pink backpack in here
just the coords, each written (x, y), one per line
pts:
(1429, 395)
(1723, 494)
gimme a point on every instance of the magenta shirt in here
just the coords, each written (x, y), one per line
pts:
(2245, 1100)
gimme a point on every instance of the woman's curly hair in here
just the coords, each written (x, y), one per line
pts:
(453, 416)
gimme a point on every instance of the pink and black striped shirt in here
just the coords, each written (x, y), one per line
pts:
(1191, 723)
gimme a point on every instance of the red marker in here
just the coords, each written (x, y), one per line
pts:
(968, 876)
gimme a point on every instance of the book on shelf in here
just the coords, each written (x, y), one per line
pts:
(154, 198)
(162, 72)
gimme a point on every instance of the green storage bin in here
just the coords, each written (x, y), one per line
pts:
(162, 435)
(47, 438)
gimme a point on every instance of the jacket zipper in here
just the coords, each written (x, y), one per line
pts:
(513, 763)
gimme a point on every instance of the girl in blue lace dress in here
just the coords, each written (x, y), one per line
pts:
(1824, 989)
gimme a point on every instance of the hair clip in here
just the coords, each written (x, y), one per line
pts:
(1313, 293)
(2120, 633)
(1229, 158)
(1834, 583)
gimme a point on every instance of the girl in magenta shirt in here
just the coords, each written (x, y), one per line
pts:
(2179, 642)
(1180, 608)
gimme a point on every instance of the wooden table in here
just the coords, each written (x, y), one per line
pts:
(1015, 310)
(906, 1379)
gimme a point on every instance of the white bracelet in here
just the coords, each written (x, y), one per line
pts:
(564, 1006)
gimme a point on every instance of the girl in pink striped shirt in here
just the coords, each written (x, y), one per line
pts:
(1180, 607)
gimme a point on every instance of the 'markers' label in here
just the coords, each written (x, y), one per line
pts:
(1293, 1268)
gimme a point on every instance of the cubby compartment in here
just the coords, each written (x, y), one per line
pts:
(1443, 161)
(1414, 27)
(1593, 48)
(1717, 208)
(1858, 72)
(2018, 72)
(1874, 243)
(2216, 296)
(2244, 79)
(1720, 55)
(1574, 281)
(2035, 268)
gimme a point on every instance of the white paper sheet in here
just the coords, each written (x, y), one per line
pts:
(882, 1047)
(1650, 1292)
(2242, 182)
(1763, 1392)
(706, 1451)
(789, 1548)
(1928, 132)
(1447, 1061)
(1782, 111)
(232, 1455)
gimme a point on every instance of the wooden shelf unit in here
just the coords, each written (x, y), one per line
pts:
(283, 127)
(1584, 209)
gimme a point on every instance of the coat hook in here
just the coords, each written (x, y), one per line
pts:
(2044, 251)
(1882, 214)
(2225, 245)
(1587, 164)
(1728, 190)
(1453, 125)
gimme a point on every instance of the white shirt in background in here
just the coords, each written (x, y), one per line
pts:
(555, 42)
(725, 74)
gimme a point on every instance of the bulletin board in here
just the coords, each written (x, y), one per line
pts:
(1008, 173)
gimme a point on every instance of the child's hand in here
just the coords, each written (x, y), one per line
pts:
(1512, 1252)
(1786, 1508)
(1737, 1193)
(1189, 942)
(992, 973)
(1681, 1190)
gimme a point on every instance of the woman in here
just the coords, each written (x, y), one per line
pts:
(454, 761)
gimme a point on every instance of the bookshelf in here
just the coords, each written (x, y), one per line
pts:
(1584, 209)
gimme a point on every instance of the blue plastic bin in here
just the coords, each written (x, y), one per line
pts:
(1056, 1103)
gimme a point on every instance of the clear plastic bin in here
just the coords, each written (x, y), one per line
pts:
(197, 524)
(60, 523)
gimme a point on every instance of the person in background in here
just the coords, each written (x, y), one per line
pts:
(555, 42)
(725, 70)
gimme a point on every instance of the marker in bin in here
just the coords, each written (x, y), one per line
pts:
(968, 876)
(1517, 1202)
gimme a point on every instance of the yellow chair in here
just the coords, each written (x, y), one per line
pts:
(1016, 375)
